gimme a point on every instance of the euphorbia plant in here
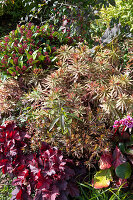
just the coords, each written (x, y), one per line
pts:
(44, 174)
(121, 160)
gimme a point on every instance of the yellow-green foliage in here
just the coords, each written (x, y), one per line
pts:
(123, 11)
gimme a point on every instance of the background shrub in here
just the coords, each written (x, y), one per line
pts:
(123, 11)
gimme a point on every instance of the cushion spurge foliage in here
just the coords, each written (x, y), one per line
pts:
(78, 102)
(43, 175)
(10, 94)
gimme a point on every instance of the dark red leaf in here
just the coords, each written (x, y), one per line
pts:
(106, 160)
(19, 195)
(73, 189)
(118, 157)
(3, 162)
(122, 182)
(54, 193)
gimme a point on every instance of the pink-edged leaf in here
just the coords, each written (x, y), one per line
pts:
(106, 160)
(29, 189)
(40, 160)
(118, 158)
(34, 169)
(13, 151)
(16, 182)
(51, 172)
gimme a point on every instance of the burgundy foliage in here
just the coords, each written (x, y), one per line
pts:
(44, 175)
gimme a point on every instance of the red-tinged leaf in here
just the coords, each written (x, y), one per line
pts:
(16, 182)
(118, 157)
(2, 127)
(38, 195)
(3, 162)
(13, 151)
(40, 161)
(4, 170)
(29, 189)
(19, 169)
(2, 140)
(106, 160)
(44, 147)
(42, 182)
(102, 179)
(34, 169)
(13, 135)
(19, 195)
(130, 158)
(125, 136)
(122, 182)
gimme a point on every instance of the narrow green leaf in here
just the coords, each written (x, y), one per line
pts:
(34, 54)
(62, 121)
(28, 55)
(53, 123)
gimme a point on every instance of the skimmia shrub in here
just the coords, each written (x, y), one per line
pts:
(44, 174)
(30, 47)
(119, 158)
